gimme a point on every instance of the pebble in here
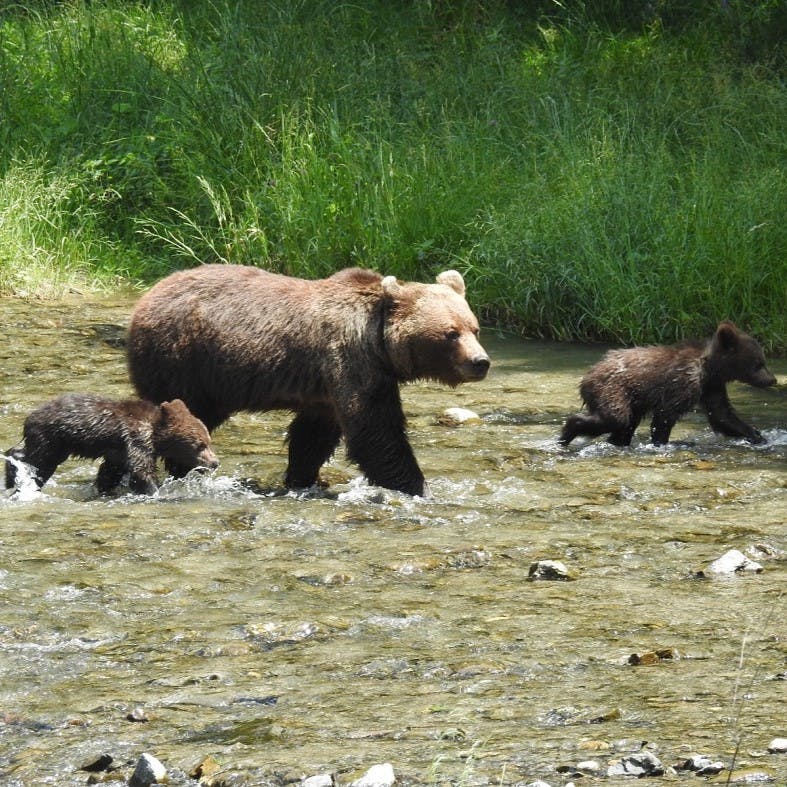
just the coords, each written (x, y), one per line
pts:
(552, 570)
(377, 776)
(731, 562)
(147, 771)
(321, 780)
(778, 746)
(702, 765)
(642, 763)
(457, 416)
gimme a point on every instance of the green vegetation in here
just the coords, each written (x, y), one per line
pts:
(596, 170)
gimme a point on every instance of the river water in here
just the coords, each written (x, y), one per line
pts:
(290, 635)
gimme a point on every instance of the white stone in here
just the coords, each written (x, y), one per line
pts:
(377, 776)
(731, 562)
(321, 780)
(778, 746)
(457, 416)
(148, 771)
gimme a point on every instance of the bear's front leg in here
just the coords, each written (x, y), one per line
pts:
(109, 476)
(374, 428)
(723, 418)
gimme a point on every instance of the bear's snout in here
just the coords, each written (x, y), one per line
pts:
(208, 459)
(476, 368)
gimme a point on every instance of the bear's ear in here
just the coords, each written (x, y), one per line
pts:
(727, 335)
(391, 287)
(454, 280)
(170, 409)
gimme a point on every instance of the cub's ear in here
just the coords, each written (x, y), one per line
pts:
(170, 409)
(391, 287)
(452, 279)
(727, 335)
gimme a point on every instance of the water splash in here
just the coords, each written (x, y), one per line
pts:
(26, 487)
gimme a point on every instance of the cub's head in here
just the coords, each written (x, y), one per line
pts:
(430, 331)
(734, 355)
(182, 437)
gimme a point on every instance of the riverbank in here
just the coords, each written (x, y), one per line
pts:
(598, 175)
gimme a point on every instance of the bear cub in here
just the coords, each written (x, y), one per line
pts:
(128, 434)
(668, 381)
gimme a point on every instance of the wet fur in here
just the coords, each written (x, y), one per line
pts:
(668, 381)
(128, 434)
(227, 338)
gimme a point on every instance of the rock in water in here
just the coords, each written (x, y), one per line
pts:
(730, 562)
(549, 570)
(457, 416)
(643, 763)
(377, 776)
(148, 771)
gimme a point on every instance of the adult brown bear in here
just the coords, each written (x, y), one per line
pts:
(225, 338)
(667, 381)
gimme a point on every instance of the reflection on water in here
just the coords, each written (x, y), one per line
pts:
(291, 634)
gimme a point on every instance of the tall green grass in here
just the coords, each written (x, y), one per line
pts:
(591, 182)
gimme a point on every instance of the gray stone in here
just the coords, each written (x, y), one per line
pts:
(643, 763)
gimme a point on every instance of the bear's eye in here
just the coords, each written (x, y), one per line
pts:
(452, 336)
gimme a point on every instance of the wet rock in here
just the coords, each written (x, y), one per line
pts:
(538, 783)
(137, 715)
(321, 780)
(205, 769)
(652, 657)
(458, 416)
(147, 771)
(643, 763)
(100, 763)
(701, 765)
(778, 746)
(731, 562)
(551, 570)
(377, 776)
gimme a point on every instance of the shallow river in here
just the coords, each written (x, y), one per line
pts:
(291, 635)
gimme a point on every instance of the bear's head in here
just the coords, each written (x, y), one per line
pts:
(182, 437)
(734, 355)
(430, 331)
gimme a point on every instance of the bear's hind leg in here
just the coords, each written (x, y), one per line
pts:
(312, 437)
(591, 425)
(660, 428)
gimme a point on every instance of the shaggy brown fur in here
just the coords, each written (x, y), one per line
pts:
(226, 338)
(668, 381)
(128, 434)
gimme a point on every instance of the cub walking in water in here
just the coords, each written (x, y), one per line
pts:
(668, 381)
(129, 434)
